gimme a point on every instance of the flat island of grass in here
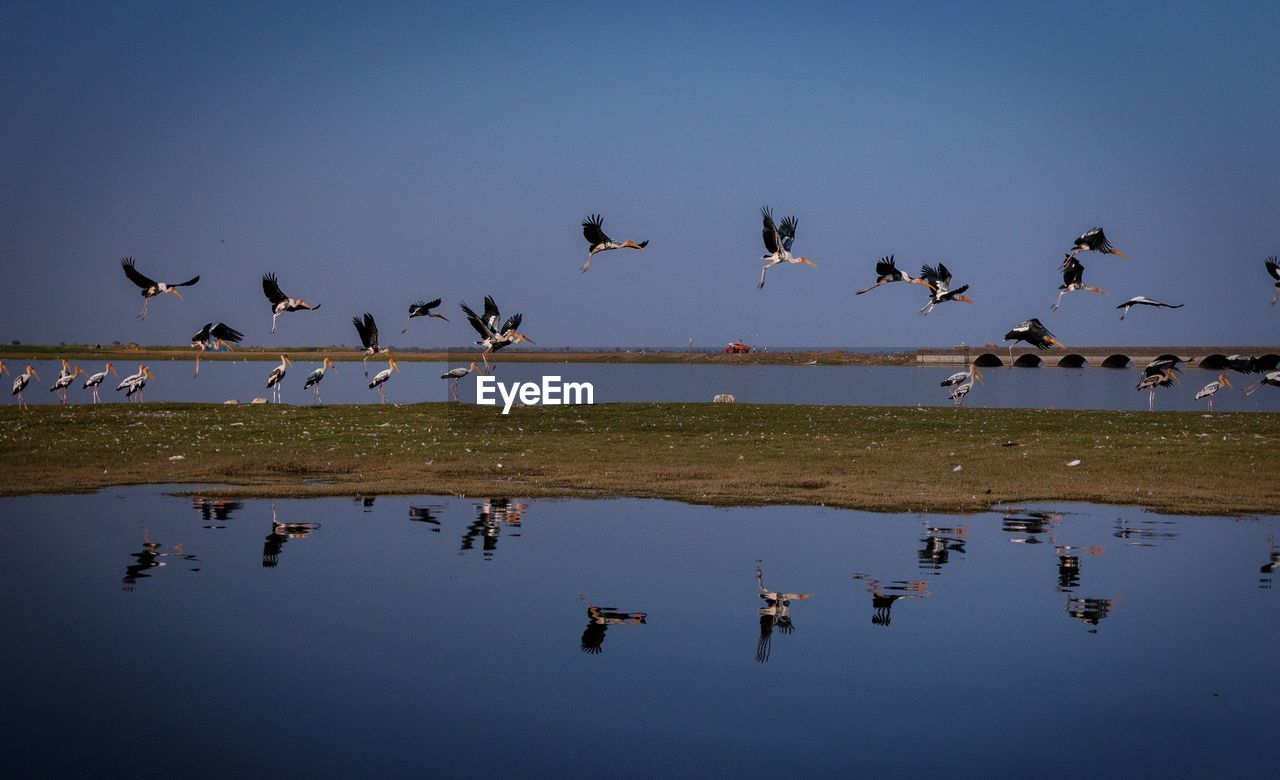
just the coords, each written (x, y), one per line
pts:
(876, 458)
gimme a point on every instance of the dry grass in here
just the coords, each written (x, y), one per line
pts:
(887, 459)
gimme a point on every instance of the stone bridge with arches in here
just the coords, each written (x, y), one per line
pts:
(1213, 358)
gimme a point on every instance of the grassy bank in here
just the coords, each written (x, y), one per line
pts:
(862, 457)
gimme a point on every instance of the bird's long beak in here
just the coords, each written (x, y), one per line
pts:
(224, 345)
(1121, 254)
(112, 369)
(32, 369)
(150, 375)
(1223, 377)
(1099, 290)
(175, 291)
(977, 372)
(1175, 376)
(521, 337)
(441, 316)
(963, 298)
(1052, 340)
(807, 261)
(633, 245)
(394, 365)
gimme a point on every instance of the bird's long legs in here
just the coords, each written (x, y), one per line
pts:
(197, 374)
(869, 289)
(366, 364)
(315, 392)
(453, 389)
(587, 264)
(1058, 302)
(924, 310)
(765, 270)
(274, 317)
(1151, 400)
(142, 315)
(95, 394)
(382, 394)
(22, 404)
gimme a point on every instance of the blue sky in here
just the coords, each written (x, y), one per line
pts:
(371, 156)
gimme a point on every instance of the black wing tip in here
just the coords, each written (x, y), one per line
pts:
(127, 262)
(595, 220)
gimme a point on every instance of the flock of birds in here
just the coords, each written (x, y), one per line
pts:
(496, 334)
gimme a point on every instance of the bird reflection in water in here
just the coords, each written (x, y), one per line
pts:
(152, 556)
(366, 502)
(776, 613)
(1028, 527)
(1091, 611)
(281, 533)
(215, 511)
(1271, 566)
(1069, 564)
(1144, 533)
(427, 514)
(885, 594)
(939, 543)
(598, 621)
(491, 516)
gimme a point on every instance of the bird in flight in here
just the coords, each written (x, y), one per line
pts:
(1142, 300)
(150, 287)
(593, 231)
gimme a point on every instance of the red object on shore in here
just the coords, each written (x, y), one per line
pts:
(737, 348)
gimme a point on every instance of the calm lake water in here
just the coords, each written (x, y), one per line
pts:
(444, 635)
(1060, 388)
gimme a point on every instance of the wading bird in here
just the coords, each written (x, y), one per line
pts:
(1164, 377)
(65, 377)
(1142, 300)
(1272, 378)
(150, 287)
(491, 338)
(593, 231)
(1034, 333)
(1094, 240)
(456, 375)
(368, 330)
(277, 376)
(134, 383)
(938, 280)
(380, 378)
(777, 241)
(281, 303)
(1273, 268)
(20, 383)
(423, 309)
(1073, 280)
(1211, 389)
(95, 380)
(888, 273)
(958, 392)
(313, 379)
(963, 376)
(213, 338)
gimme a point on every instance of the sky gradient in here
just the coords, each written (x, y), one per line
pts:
(374, 156)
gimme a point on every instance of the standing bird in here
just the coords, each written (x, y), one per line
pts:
(593, 231)
(1034, 333)
(277, 376)
(150, 287)
(888, 273)
(958, 392)
(456, 375)
(313, 379)
(1273, 268)
(281, 303)
(1142, 300)
(938, 280)
(963, 376)
(214, 337)
(777, 242)
(1073, 280)
(491, 337)
(1151, 379)
(65, 377)
(380, 378)
(368, 330)
(1272, 378)
(1094, 240)
(132, 385)
(95, 380)
(1211, 389)
(423, 309)
(20, 383)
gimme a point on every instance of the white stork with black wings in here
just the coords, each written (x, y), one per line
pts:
(150, 287)
(1142, 300)
(1095, 240)
(368, 330)
(938, 280)
(1072, 280)
(593, 231)
(493, 338)
(424, 309)
(281, 303)
(214, 337)
(888, 273)
(777, 242)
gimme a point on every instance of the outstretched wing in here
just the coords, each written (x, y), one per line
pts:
(425, 305)
(772, 241)
(593, 230)
(367, 329)
(203, 333)
(476, 322)
(1273, 268)
(491, 315)
(944, 276)
(271, 288)
(187, 283)
(227, 333)
(933, 276)
(788, 232)
(134, 276)
(886, 267)
(512, 322)
(1072, 271)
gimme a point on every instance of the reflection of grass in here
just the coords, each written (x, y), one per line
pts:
(872, 458)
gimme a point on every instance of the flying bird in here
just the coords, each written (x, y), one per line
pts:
(95, 380)
(150, 287)
(380, 378)
(888, 273)
(424, 309)
(368, 330)
(456, 375)
(1073, 280)
(493, 338)
(1211, 389)
(1152, 379)
(1095, 240)
(777, 242)
(214, 337)
(314, 378)
(1034, 333)
(277, 376)
(1272, 378)
(938, 280)
(593, 231)
(1142, 300)
(20, 383)
(281, 303)
(134, 383)
(1273, 268)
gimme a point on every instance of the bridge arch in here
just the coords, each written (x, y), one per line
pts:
(1028, 361)
(1073, 361)
(1116, 361)
(988, 360)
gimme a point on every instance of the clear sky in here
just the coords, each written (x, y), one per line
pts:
(372, 154)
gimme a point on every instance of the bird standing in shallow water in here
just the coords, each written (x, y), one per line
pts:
(150, 287)
(314, 378)
(65, 377)
(20, 383)
(1153, 378)
(134, 383)
(593, 231)
(380, 378)
(1211, 389)
(456, 375)
(94, 381)
(277, 376)
(777, 242)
